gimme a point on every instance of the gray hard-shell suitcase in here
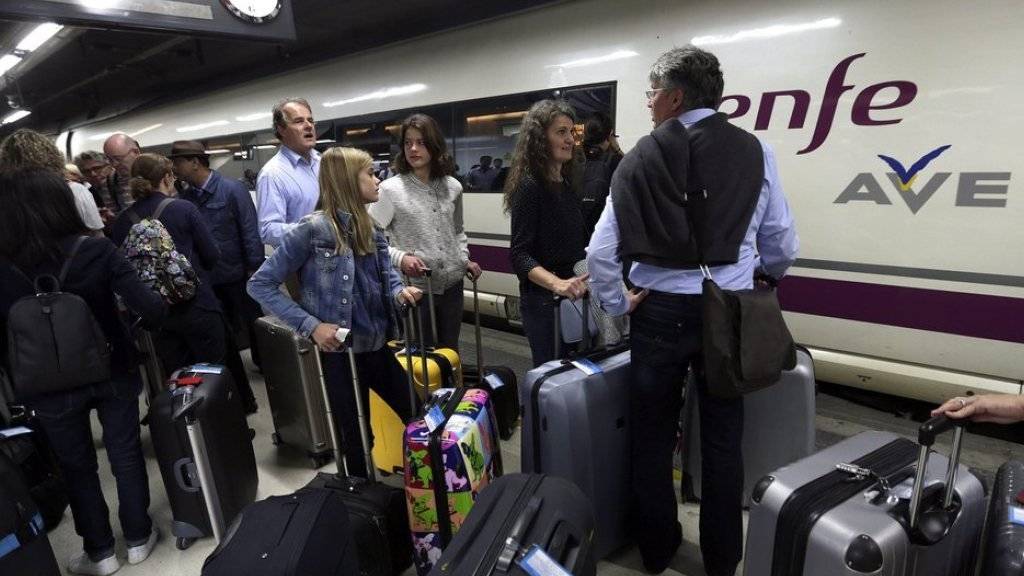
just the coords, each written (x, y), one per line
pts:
(575, 427)
(292, 377)
(778, 427)
(875, 504)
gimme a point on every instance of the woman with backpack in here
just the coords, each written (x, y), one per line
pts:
(347, 282)
(44, 246)
(195, 329)
(421, 211)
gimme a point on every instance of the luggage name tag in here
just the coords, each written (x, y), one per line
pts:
(536, 562)
(587, 366)
(15, 431)
(1016, 515)
(494, 380)
(206, 369)
(434, 418)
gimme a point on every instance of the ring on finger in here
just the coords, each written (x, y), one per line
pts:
(963, 403)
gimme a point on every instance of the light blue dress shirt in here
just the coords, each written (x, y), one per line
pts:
(770, 242)
(287, 189)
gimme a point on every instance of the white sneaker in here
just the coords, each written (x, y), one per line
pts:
(82, 564)
(139, 553)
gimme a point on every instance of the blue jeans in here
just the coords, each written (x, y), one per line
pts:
(537, 307)
(666, 340)
(65, 418)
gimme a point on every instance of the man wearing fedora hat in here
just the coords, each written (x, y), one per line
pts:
(229, 212)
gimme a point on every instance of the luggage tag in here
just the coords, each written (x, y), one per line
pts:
(587, 366)
(536, 562)
(434, 418)
(1016, 515)
(494, 380)
(206, 369)
(15, 431)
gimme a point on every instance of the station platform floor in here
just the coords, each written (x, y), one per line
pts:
(282, 471)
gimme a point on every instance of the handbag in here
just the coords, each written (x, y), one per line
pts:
(746, 344)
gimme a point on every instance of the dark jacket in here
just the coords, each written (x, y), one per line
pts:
(230, 213)
(714, 171)
(191, 236)
(97, 272)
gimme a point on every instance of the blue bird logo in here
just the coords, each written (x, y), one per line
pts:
(907, 176)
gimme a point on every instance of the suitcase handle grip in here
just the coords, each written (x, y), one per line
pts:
(184, 470)
(513, 544)
(187, 408)
(928, 431)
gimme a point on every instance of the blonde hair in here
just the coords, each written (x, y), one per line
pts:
(339, 190)
(147, 173)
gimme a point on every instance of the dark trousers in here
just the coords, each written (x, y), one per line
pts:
(65, 419)
(537, 307)
(377, 370)
(241, 312)
(191, 335)
(666, 340)
(448, 313)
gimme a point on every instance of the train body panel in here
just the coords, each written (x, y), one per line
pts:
(893, 124)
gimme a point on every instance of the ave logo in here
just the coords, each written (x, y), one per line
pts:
(975, 189)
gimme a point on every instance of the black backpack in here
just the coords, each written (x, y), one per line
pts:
(54, 343)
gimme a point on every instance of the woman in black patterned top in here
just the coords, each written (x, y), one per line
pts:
(548, 232)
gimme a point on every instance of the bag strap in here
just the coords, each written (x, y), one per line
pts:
(133, 215)
(67, 262)
(160, 208)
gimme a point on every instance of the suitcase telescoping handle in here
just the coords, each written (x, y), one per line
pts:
(339, 456)
(476, 328)
(585, 306)
(926, 438)
(407, 310)
(430, 307)
(197, 441)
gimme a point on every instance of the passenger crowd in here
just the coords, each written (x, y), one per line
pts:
(343, 241)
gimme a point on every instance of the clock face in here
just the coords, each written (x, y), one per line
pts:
(255, 11)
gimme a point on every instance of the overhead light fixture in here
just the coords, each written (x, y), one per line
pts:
(356, 132)
(102, 136)
(15, 116)
(499, 116)
(253, 117)
(617, 55)
(766, 32)
(219, 151)
(380, 94)
(7, 62)
(325, 141)
(203, 126)
(38, 36)
(146, 129)
(266, 146)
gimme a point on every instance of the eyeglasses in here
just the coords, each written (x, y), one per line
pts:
(94, 169)
(117, 159)
(649, 94)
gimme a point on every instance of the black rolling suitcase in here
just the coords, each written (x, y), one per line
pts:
(24, 547)
(378, 515)
(204, 448)
(1003, 543)
(499, 381)
(524, 520)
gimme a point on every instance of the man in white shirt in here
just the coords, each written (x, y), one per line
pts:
(288, 187)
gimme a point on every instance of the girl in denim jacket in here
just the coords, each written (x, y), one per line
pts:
(346, 281)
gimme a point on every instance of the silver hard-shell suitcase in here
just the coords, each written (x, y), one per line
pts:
(292, 377)
(575, 426)
(885, 511)
(778, 427)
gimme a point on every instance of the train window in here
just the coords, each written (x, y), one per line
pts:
(378, 133)
(486, 130)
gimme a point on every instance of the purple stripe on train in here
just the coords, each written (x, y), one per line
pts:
(961, 313)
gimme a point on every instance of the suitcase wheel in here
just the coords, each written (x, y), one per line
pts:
(183, 543)
(275, 438)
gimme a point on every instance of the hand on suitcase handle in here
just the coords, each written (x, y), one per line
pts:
(412, 265)
(409, 296)
(325, 337)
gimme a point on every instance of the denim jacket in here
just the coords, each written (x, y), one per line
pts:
(326, 279)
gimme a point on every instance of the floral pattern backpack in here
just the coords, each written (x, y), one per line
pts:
(151, 250)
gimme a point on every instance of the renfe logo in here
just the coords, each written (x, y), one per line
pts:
(860, 114)
(973, 188)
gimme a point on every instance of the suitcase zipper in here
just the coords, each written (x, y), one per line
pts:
(808, 503)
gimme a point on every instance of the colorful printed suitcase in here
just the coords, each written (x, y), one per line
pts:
(446, 466)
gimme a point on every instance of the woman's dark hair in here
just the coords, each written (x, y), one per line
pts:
(530, 158)
(38, 211)
(147, 172)
(441, 163)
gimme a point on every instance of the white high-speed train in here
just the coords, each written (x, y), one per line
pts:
(893, 124)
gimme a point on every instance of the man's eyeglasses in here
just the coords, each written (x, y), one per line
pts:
(117, 159)
(94, 169)
(649, 94)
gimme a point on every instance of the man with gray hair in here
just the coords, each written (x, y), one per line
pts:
(288, 186)
(99, 176)
(734, 218)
